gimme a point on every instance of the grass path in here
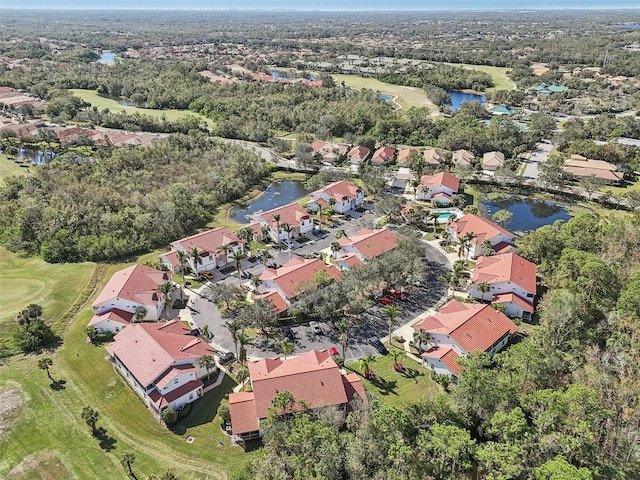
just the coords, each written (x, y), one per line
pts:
(96, 100)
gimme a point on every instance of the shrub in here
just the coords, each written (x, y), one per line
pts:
(169, 416)
(184, 411)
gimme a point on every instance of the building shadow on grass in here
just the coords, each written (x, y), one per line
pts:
(58, 385)
(106, 442)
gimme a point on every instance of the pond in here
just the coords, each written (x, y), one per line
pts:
(107, 57)
(528, 213)
(384, 97)
(276, 195)
(458, 97)
(36, 157)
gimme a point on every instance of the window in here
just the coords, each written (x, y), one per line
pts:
(176, 381)
(529, 295)
(191, 397)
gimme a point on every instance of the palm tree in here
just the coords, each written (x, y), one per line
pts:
(226, 249)
(434, 216)
(255, 282)
(366, 364)
(276, 218)
(421, 337)
(242, 374)
(183, 259)
(286, 347)
(288, 228)
(139, 314)
(458, 267)
(487, 248)
(92, 333)
(206, 333)
(447, 278)
(335, 248)
(243, 340)
(266, 232)
(467, 245)
(266, 256)
(343, 339)
(392, 312)
(397, 356)
(341, 233)
(90, 416)
(44, 364)
(194, 253)
(484, 287)
(234, 327)
(127, 460)
(208, 363)
(246, 234)
(167, 288)
(238, 256)
(446, 236)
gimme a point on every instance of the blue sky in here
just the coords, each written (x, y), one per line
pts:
(320, 4)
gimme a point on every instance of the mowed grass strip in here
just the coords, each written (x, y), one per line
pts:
(395, 388)
(56, 287)
(9, 168)
(96, 100)
(501, 80)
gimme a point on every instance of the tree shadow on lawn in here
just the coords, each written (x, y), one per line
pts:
(106, 442)
(386, 387)
(57, 385)
(204, 409)
(411, 373)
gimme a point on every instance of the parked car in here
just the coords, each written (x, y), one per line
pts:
(288, 332)
(207, 274)
(227, 358)
(316, 328)
(399, 294)
(384, 300)
(333, 351)
(379, 346)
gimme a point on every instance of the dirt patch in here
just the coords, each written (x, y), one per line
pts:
(44, 465)
(12, 397)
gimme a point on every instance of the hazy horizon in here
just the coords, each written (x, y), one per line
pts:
(324, 5)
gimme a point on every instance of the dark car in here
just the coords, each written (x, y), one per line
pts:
(379, 346)
(384, 300)
(288, 332)
(399, 294)
(227, 358)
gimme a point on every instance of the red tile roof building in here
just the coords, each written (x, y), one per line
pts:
(382, 156)
(367, 244)
(463, 159)
(311, 376)
(328, 152)
(506, 274)
(291, 214)
(492, 161)
(482, 229)
(403, 155)
(295, 276)
(578, 167)
(464, 327)
(434, 158)
(129, 289)
(358, 155)
(441, 187)
(342, 196)
(161, 362)
(210, 245)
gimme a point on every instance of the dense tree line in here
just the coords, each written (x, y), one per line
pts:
(560, 403)
(122, 201)
(446, 77)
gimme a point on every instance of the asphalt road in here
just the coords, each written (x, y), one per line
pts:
(538, 155)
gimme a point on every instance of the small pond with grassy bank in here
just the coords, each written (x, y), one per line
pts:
(527, 213)
(276, 195)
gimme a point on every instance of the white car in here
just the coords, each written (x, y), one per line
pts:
(315, 326)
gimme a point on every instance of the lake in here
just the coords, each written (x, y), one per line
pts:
(458, 97)
(276, 195)
(107, 57)
(528, 214)
(36, 157)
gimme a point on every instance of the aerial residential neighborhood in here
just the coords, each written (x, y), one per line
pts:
(332, 241)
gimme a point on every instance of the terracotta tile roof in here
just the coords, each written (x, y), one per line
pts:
(242, 407)
(137, 283)
(353, 387)
(278, 304)
(513, 298)
(311, 376)
(293, 275)
(160, 401)
(293, 214)
(352, 260)
(403, 155)
(473, 326)
(371, 243)
(210, 241)
(462, 158)
(443, 178)
(172, 258)
(506, 267)
(580, 166)
(115, 315)
(503, 247)
(481, 228)
(446, 355)
(339, 190)
(149, 349)
(359, 153)
(433, 156)
(383, 155)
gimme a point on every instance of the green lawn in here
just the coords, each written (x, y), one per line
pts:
(47, 434)
(499, 75)
(9, 168)
(626, 187)
(406, 96)
(399, 389)
(57, 288)
(96, 100)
